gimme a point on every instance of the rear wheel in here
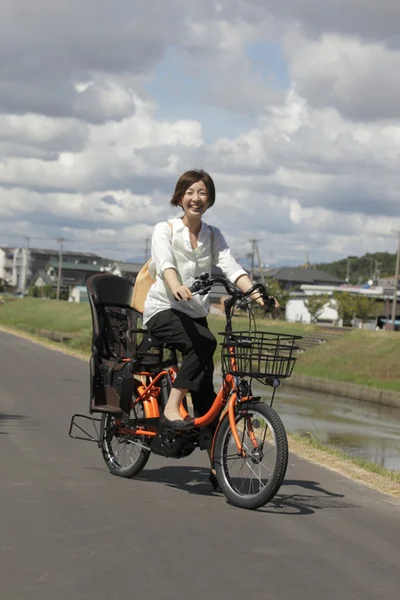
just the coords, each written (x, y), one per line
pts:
(251, 481)
(125, 454)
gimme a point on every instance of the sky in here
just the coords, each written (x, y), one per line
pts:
(291, 106)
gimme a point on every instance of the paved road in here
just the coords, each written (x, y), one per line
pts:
(70, 530)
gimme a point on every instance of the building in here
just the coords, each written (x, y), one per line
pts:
(125, 269)
(78, 293)
(23, 264)
(388, 282)
(72, 274)
(296, 309)
(6, 265)
(294, 277)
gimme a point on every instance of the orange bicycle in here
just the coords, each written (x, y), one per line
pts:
(249, 448)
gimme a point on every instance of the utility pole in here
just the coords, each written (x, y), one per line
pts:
(348, 270)
(254, 251)
(25, 262)
(147, 249)
(396, 281)
(61, 242)
(252, 258)
(259, 261)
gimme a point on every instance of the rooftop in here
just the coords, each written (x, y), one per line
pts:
(69, 266)
(301, 275)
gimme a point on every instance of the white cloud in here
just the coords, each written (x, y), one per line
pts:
(371, 20)
(359, 79)
(111, 156)
(85, 151)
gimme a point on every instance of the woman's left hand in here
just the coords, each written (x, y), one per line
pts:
(277, 305)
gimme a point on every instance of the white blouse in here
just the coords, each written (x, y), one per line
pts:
(189, 263)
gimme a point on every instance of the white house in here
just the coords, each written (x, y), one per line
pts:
(296, 310)
(78, 293)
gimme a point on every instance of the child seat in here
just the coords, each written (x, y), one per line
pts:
(117, 343)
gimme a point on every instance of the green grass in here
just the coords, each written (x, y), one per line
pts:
(363, 463)
(363, 357)
(32, 314)
(368, 358)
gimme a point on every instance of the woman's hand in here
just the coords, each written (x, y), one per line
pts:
(181, 292)
(277, 305)
(258, 299)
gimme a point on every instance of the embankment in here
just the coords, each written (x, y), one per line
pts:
(347, 390)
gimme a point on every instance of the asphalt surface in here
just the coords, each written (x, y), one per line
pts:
(71, 530)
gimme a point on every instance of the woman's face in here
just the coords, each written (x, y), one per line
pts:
(195, 199)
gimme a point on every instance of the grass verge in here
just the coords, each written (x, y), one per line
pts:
(358, 469)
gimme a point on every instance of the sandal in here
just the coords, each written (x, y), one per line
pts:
(177, 425)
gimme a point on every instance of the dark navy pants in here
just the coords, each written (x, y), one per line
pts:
(197, 344)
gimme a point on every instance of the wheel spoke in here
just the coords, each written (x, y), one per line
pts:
(123, 453)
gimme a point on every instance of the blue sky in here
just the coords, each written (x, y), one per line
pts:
(180, 90)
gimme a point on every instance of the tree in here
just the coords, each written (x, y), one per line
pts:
(345, 306)
(315, 305)
(364, 307)
(47, 291)
(33, 291)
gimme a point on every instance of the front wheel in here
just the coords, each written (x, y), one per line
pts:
(253, 480)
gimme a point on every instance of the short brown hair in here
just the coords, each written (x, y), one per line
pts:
(189, 178)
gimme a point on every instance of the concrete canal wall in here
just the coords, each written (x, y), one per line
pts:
(348, 390)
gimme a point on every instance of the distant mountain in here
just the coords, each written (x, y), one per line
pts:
(135, 259)
(362, 269)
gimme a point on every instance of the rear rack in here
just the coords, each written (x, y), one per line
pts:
(99, 429)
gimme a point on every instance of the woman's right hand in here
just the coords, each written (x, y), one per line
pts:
(181, 292)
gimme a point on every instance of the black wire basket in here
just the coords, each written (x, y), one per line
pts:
(258, 354)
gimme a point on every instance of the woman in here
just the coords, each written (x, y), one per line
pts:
(181, 250)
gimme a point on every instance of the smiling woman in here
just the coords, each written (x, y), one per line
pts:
(181, 252)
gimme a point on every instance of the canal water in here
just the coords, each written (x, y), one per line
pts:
(361, 429)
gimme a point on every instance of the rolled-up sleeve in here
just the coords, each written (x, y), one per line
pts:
(161, 248)
(222, 257)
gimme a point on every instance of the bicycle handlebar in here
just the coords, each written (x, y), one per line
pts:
(203, 284)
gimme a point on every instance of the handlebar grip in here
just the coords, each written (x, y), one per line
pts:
(199, 283)
(196, 286)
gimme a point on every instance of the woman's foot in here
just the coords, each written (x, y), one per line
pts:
(172, 415)
(177, 424)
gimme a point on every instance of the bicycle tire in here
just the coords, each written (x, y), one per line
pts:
(222, 457)
(109, 455)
